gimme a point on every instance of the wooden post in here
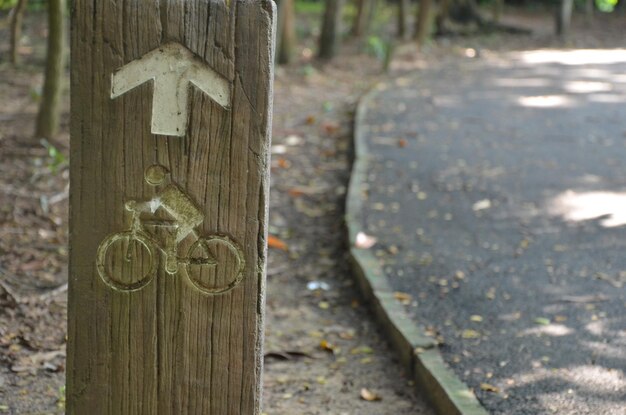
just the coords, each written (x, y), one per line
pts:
(170, 138)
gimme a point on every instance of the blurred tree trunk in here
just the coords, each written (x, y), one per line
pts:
(287, 31)
(331, 29)
(49, 109)
(423, 21)
(498, 5)
(465, 11)
(404, 7)
(589, 10)
(442, 16)
(17, 17)
(564, 17)
(363, 18)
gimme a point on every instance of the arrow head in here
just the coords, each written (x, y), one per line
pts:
(172, 67)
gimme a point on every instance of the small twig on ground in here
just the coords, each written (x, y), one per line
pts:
(584, 298)
(58, 197)
(13, 298)
(53, 293)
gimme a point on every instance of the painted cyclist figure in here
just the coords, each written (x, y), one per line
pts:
(176, 203)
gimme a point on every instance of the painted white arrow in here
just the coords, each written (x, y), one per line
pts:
(172, 67)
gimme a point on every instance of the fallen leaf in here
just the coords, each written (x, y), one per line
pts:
(347, 335)
(542, 321)
(330, 127)
(310, 119)
(41, 360)
(324, 305)
(295, 192)
(489, 388)
(481, 205)
(362, 350)
(476, 318)
(470, 334)
(404, 298)
(364, 241)
(283, 163)
(370, 396)
(327, 346)
(317, 285)
(274, 242)
(293, 140)
(402, 142)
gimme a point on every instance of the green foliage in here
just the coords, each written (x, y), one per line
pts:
(381, 49)
(383, 14)
(61, 398)
(308, 70)
(309, 7)
(349, 11)
(376, 47)
(37, 5)
(606, 6)
(7, 4)
(33, 5)
(35, 93)
(56, 159)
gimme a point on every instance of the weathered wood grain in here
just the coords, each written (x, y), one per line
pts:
(144, 339)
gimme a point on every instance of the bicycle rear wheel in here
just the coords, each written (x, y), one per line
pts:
(127, 261)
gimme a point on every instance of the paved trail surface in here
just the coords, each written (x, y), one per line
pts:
(497, 192)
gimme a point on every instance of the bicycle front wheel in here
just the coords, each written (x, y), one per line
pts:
(215, 264)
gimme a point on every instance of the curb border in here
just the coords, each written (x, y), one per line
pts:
(417, 352)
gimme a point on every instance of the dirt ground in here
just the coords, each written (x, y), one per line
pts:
(323, 352)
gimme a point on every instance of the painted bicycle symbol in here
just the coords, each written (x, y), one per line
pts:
(129, 260)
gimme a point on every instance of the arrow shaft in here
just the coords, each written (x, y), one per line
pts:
(170, 105)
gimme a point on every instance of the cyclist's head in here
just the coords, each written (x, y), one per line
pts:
(156, 174)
